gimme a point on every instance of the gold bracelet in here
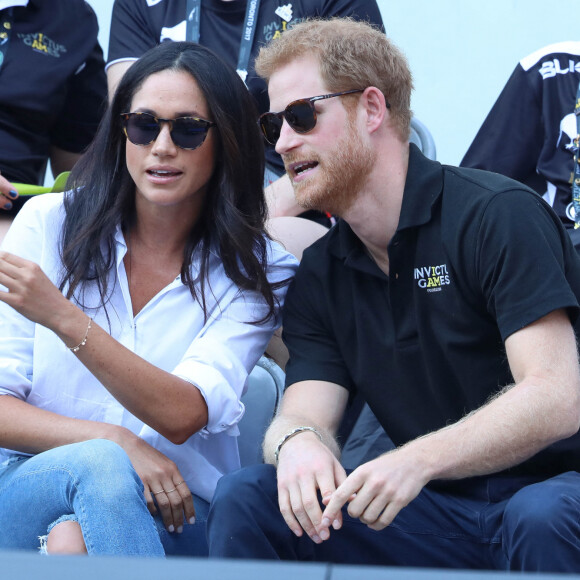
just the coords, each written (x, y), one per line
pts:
(83, 341)
(291, 434)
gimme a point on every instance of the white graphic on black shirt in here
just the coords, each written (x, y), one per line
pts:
(432, 278)
(284, 12)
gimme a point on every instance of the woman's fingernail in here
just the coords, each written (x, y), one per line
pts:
(192, 520)
(171, 529)
(8, 205)
(13, 193)
(180, 529)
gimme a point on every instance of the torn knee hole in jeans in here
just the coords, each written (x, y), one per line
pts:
(43, 539)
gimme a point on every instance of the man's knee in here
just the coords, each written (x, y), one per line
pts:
(538, 507)
(541, 530)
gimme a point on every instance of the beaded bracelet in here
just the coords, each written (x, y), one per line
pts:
(83, 341)
(294, 431)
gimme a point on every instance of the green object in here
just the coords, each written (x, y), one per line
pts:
(29, 189)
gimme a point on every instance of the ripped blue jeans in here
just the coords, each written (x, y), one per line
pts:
(95, 482)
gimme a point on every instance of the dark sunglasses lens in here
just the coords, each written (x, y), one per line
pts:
(300, 116)
(271, 125)
(189, 133)
(142, 129)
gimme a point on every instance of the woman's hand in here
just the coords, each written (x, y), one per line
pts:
(162, 482)
(7, 193)
(30, 292)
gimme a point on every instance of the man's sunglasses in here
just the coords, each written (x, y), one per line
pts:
(186, 132)
(300, 115)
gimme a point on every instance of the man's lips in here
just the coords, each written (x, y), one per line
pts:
(301, 167)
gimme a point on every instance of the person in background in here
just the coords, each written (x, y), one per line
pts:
(234, 29)
(530, 132)
(134, 307)
(53, 90)
(436, 301)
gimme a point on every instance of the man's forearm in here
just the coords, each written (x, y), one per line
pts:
(511, 428)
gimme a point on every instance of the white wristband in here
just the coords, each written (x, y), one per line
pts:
(291, 434)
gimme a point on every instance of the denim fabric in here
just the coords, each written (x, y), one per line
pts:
(192, 541)
(93, 480)
(488, 523)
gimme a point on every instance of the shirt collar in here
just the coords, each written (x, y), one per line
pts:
(121, 244)
(423, 186)
(11, 3)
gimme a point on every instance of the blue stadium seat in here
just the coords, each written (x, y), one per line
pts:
(262, 398)
(421, 136)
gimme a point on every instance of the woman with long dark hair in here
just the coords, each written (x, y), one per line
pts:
(133, 308)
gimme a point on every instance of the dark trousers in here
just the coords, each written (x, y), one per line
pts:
(491, 523)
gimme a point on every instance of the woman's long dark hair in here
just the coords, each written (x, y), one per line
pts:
(102, 193)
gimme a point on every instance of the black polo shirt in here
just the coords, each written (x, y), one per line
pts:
(53, 87)
(476, 256)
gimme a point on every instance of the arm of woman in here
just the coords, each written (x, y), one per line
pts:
(28, 429)
(170, 405)
(219, 359)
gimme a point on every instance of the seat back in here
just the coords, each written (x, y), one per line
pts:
(421, 136)
(261, 399)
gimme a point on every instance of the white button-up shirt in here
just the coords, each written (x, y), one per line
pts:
(216, 355)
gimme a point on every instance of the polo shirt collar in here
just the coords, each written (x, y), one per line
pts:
(11, 3)
(423, 188)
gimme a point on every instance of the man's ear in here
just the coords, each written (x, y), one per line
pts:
(375, 106)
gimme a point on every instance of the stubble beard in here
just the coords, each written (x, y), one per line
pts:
(340, 177)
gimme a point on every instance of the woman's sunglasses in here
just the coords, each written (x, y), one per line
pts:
(300, 115)
(186, 132)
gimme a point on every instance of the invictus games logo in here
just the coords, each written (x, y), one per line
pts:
(432, 278)
(275, 28)
(41, 43)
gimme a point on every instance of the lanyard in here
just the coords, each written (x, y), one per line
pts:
(248, 31)
(5, 30)
(576, 175)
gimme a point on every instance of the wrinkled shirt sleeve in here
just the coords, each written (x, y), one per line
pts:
(227, 348)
